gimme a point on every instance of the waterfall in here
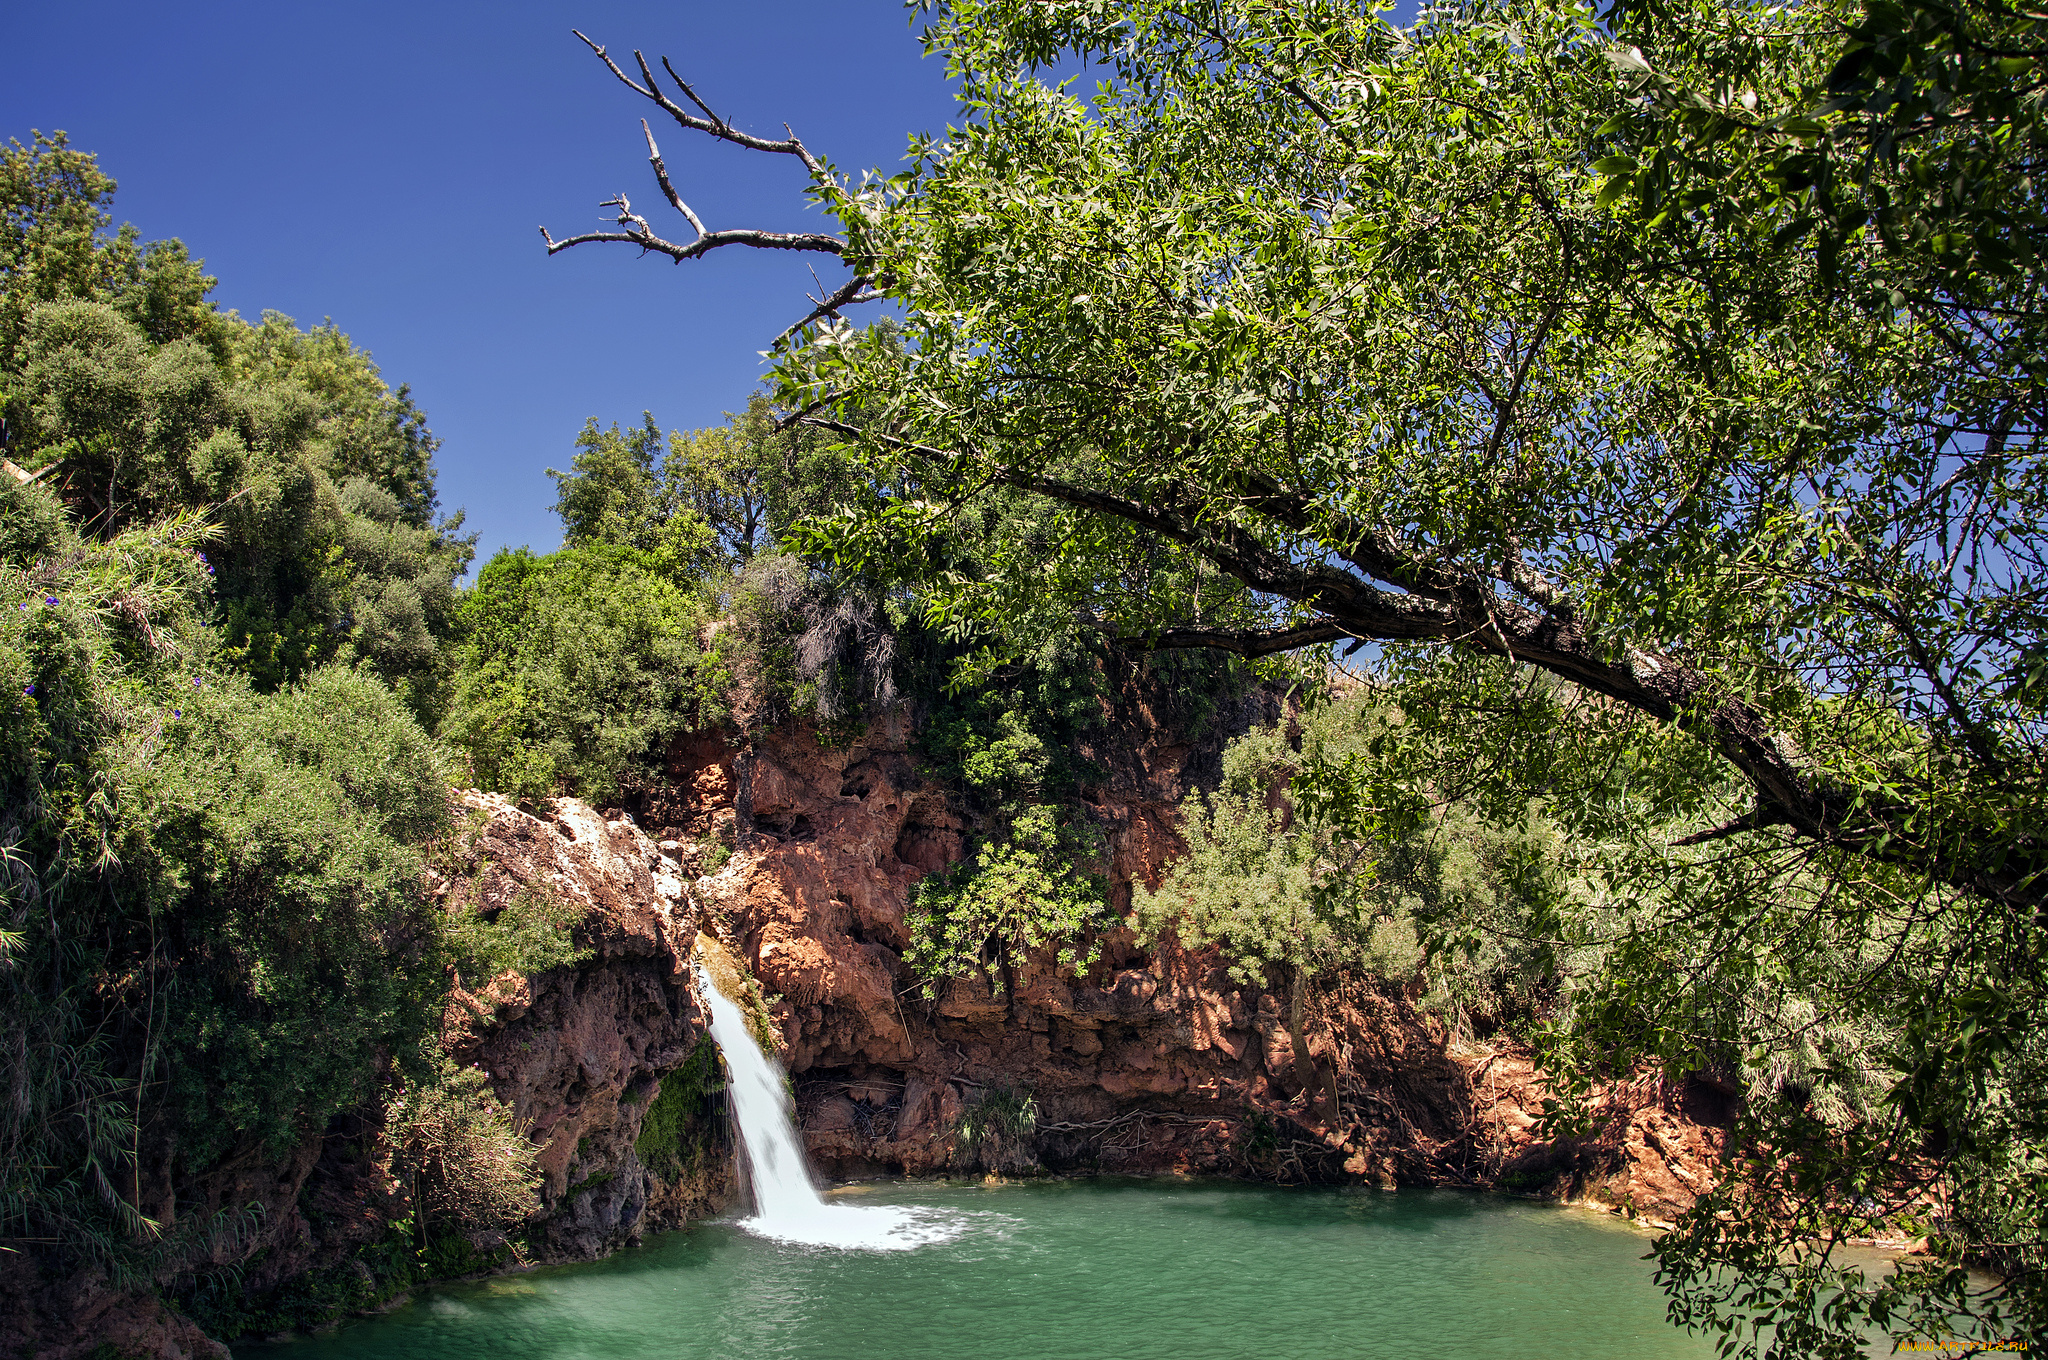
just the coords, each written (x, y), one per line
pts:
(787, 1205)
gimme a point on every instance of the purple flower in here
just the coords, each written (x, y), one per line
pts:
(177, 713)
(195, 682)
(28, 689)
(49, 599)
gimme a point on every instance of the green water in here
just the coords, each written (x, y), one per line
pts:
(1175, 1270)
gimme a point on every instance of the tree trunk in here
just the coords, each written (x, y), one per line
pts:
(1304, 1066)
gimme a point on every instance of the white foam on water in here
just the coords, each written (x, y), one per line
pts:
(787, 1206)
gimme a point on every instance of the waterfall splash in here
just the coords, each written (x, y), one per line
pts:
(787, 1206)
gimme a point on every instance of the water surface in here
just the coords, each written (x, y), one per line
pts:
(1168, 1270)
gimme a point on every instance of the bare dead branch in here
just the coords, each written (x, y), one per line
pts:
(760, 240)
(637, 231)
(675, 199)
(710, 122)
(27, 478)
(633, 222)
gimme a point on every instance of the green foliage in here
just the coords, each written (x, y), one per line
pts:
(1016, 893)
(675, 1133)
(32, 523)
(212, 895)
(53, 246)
(226, 1309)
(576, 669)
(224, 598)
(1311, 856)
(136, 400)
(754, 484)
(997, 1129)
(1025, 882)
(1897, 152)
(288, 826)
(703, 500)
(528, 935)
(1658, 390)
(615, 494)
(468, 1163)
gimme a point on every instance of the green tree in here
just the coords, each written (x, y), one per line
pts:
(226, 589)
(211, 916)
(1447, 340)
(54, 246)
(1277, 878)
(726, 491)
(611, 493)
(576, 668)
(122, 388)
(724, 473)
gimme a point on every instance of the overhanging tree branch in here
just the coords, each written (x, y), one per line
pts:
(1471, 614)
(1250, 643)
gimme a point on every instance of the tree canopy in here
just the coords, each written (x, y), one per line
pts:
(1654, 395)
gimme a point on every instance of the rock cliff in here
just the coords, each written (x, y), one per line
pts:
(1150, 1061)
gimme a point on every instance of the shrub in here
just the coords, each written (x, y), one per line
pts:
(530, 934)
(469, 1164)
(576, 668)
(1013, 895)
(285, 829)
(997, 1131)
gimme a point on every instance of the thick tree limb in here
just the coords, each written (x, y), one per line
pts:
(1247, 643)
(1753, 820)
(1464, 610)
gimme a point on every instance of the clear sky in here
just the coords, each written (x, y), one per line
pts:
(389, 165)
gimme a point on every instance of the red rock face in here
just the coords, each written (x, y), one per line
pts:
(577, 1053)
(1154, 1060)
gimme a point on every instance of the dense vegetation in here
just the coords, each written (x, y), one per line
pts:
(1653, 397)
(241, 679)
(227, 636)
(1655, 393)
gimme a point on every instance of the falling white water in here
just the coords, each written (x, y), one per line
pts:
(787, 1206)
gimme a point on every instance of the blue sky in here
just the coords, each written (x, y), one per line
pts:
(389, 166)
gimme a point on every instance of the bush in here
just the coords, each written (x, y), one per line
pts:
(576, 668)
(528, 935)
(470, 1166)
(1013, 895)
(206, 893)
(287, 826)
(997, 1131)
